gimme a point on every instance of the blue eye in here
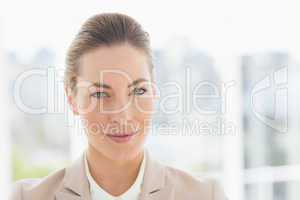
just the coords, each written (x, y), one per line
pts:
(139, 91)
(100, 95)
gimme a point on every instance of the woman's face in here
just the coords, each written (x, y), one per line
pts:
(114, 99)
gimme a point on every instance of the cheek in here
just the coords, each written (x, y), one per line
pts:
(145, 109)
(144, 106)
(94, 123)
(86, 105)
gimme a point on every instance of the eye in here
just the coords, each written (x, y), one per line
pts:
(139, 91)
(100, 94)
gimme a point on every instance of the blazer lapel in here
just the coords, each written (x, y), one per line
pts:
(154, 185)
(67, 196)
(75, 185)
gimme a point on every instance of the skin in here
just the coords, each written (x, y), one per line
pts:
(114, 110)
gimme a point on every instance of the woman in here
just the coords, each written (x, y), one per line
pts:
(109, 83)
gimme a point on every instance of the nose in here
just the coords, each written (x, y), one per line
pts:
(122, 112)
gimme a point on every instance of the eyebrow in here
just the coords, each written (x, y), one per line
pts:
(135, 82)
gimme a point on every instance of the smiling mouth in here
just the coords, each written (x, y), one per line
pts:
(119, 135)
(121, 138)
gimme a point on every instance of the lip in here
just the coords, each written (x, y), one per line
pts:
(121, 138)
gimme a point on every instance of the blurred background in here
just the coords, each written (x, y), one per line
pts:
(244, 54)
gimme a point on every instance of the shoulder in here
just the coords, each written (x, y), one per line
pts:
(187, 186)
(37, 188)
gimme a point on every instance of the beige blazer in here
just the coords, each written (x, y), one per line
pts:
(160, 183)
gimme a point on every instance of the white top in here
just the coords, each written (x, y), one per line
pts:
(131, 194)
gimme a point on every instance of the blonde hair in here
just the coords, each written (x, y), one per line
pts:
(105, 29)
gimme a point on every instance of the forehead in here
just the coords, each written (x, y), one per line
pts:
(114, 65)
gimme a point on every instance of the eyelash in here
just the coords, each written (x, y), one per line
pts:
(107, 95)
(98, 97)
(144, 90)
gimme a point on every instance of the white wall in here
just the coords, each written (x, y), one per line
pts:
(5, 167)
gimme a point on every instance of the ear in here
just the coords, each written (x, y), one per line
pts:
(71, 101)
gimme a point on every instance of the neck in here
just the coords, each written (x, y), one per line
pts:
(113, 176)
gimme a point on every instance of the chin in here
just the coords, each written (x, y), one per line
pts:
(125, 154)
(119, 153)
